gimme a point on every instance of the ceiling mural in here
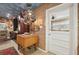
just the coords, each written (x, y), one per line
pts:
(14, 8)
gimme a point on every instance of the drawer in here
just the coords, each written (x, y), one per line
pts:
(30, 41)
(27, 42)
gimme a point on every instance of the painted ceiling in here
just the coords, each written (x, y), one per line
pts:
(14, 8)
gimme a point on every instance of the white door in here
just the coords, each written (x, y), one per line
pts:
(58, 29)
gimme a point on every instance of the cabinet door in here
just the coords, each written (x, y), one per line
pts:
(28, 41)
(20, 40)
(58, 39)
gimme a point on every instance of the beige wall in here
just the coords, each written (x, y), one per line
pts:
(78, 32)
(40, 15)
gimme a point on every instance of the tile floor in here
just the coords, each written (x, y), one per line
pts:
(39, 52)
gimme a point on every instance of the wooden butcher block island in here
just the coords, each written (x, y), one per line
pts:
(27, 40)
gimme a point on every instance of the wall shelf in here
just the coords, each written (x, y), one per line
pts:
(60, 24)
(61, 30)
(60, 19)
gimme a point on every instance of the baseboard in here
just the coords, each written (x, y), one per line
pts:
(42, 50)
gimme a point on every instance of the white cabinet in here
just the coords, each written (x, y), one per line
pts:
(58, 29)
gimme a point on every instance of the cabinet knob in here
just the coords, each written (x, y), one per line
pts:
(53, 17)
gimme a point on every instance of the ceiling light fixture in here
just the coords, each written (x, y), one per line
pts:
(29, 10)
(8, 15)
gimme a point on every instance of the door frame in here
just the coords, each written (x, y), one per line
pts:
(74, 25)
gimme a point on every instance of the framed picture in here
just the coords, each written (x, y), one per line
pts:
(3, 26)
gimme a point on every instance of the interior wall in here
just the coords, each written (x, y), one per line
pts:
(40, 21)
(78, 32)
